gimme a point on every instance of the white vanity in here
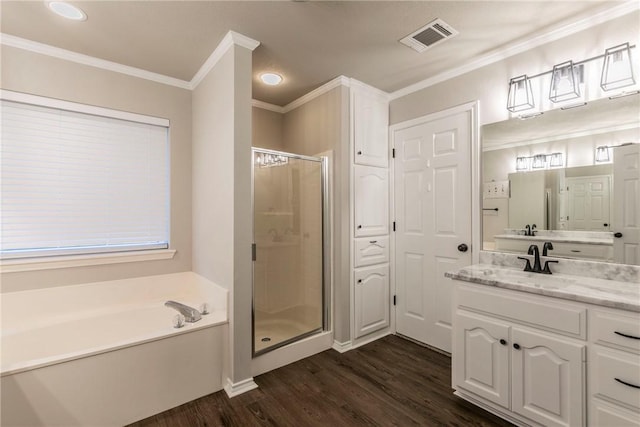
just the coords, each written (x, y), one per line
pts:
(552, 350)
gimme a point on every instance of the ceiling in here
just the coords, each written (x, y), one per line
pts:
(308, 42)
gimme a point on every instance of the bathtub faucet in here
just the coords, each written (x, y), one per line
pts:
(190, 314)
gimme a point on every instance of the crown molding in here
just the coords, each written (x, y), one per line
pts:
(230, 39)
(372, 90)
(267, 106)
(67, 55)
(338, 81)
(567, 30)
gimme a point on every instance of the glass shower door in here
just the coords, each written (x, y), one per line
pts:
(288, 285)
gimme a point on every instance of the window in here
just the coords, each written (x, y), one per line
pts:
(78, 179)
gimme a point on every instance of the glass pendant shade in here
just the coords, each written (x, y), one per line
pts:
(564, 83)
(539, 161)
(522, 163)
(520, 94)
(617, 71)
(555, 160)
(602, 154)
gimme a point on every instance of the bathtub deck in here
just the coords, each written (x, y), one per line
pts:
(387, 382)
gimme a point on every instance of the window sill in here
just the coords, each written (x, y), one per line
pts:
(68, 261)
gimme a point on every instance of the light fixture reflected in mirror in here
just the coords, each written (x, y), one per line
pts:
(539, 161)
(564, 83)
(555, 160)
(520, 94)
(522, 163)
(602, 154)
(617, 71)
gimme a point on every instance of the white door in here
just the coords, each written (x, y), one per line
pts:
(371, 299)
(432, 172)
(371, 201)
(547, 378)
(589, 206)
(626, 206)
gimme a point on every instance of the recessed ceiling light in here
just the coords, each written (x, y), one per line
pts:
(271, 79)
(67, 10)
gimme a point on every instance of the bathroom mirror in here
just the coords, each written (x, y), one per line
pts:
(570, 197)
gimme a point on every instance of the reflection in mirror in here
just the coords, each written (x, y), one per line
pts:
(543, 182)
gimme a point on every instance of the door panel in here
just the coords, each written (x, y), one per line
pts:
(371, 207)
(548, 379)
(371, 299)
(432, 182)
(626, 216)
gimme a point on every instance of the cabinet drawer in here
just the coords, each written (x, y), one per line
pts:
(582, 250)
(617, 329)
(374, 250)
(527, 309)
(608, 369)
(603, 414)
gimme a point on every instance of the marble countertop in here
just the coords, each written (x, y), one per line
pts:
(558, 239)
(603, 292)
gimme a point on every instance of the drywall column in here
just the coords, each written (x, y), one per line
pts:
(222, 197)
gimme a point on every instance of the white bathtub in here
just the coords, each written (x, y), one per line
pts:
(106, 353)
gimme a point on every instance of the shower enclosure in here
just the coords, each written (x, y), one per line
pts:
(289, 234)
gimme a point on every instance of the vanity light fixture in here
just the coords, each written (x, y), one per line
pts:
(617, 70)
(520, 94)
(564, 82)
(539, 161)
(271, 79)
(67, 10)
(602, 154)
(522, 163)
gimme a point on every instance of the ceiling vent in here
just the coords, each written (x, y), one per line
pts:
(430, 35)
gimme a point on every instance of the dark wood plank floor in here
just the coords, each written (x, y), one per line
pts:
(389, 382)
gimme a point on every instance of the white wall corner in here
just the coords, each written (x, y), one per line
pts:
(338, 81)
(342, 347)
(235, 389)
(267, 106)
(230, 39)
(67, 55)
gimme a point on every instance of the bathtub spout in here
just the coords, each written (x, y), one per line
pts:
(190, 314)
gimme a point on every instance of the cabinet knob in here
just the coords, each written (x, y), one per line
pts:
(618, 234)
(359, 227)
(359, 153)
(503, 342)
(516, 346)
(359, 280)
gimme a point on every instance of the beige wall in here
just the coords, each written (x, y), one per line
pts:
(32, 73)
(267, 129)
(322, 124)
(222, 195)
(489, 84)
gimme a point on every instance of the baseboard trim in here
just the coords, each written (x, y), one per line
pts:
(341, 347)
(235, 389)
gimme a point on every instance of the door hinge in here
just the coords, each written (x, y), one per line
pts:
(253, 252)
(394, 226)
(393, 153)
(394, 300)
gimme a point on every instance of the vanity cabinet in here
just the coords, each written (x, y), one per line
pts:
(515, 365)
(370, 309)
(614, 368)
(579, 250)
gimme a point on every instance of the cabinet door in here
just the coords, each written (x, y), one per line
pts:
(370, 128)
(480, 360)
(371, 299)
(371, 200)
(547, 379)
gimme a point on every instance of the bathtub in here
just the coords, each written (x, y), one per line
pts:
(106, 353)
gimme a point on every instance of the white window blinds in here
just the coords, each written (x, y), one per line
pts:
(80, 183)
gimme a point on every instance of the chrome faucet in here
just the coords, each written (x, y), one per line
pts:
(190, 314)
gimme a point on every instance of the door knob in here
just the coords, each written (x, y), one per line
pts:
(463, 248)
(618, 234)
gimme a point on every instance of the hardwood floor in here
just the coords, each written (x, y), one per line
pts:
(389, 382)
